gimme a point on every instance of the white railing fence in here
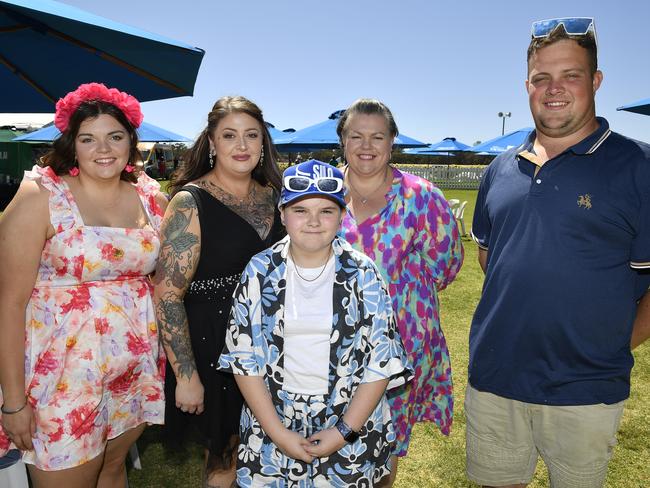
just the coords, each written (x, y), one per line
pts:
(447, 176)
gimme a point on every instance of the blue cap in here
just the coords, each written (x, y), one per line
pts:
(312, 177)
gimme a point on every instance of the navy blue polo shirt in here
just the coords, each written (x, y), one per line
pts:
(564, 242)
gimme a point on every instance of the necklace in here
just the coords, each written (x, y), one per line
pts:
(295, 266)
(364, 199)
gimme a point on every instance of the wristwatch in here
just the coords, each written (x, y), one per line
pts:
(348, 434)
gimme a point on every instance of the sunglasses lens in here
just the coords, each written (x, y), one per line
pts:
(543, 28)
(575, 26)
(328, 185)
(298, 183)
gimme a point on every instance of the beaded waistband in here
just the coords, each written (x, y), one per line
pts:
(213, 286)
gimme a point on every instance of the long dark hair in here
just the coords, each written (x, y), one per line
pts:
(61, 158)
(197, 157)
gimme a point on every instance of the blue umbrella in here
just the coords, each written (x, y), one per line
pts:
(146, 133)
(48, 48)
(640, 107)
(323, 136)
(503, 143)
(447, 146)
(276, 134)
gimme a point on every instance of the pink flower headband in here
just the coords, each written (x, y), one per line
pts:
(67, 105)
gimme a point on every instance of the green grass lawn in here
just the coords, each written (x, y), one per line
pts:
(433, 460)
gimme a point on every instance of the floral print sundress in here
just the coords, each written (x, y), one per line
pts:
(415, 243)
(93, 364)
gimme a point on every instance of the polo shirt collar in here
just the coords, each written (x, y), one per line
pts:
(587, 146)
(593, 141)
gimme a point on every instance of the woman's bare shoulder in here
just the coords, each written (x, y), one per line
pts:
(31, 197)
(28, 212)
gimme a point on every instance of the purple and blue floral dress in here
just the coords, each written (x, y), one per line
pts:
(415, 243)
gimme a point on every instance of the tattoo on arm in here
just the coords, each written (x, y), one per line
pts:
(175, 333)
(179, 247)
(179, 253)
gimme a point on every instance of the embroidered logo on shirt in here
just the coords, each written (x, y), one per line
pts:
(584, 201)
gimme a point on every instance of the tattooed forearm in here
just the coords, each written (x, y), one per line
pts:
(179, 252)
(175, 335)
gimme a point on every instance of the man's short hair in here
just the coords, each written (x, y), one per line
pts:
(587, 41)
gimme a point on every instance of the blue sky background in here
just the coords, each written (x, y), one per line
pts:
(444, 68)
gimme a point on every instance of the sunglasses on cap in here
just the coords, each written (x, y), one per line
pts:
(325, 184)
(573, 26)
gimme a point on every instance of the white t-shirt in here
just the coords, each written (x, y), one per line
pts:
(308, 313)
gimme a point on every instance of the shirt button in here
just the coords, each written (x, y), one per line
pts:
(538, 181)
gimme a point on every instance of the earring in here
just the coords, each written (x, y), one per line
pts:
(129, 168)
(211, 157)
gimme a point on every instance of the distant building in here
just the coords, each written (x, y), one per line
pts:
(25, 122)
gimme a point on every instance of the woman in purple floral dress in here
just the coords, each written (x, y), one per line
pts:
(404, 223)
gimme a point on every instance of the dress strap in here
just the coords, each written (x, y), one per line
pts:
(147, 189)
(197, 193)
(63, 214)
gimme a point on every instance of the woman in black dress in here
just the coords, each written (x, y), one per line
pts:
(222, 212)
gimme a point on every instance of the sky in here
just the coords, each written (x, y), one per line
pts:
(445, 69)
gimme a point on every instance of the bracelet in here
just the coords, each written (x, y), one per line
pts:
(11, 412)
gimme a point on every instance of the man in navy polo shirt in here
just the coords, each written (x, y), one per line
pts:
(563, 226)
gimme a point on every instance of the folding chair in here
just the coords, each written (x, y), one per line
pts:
(459, 214)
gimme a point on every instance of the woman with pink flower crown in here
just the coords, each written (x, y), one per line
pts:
(81, 369)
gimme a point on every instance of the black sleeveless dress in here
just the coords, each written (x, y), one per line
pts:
(227, 244)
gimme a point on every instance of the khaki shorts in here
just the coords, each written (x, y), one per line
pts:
(505, 437)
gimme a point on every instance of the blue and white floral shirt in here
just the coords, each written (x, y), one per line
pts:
(365, 347)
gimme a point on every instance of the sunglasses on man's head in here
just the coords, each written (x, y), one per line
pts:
(574, 26)
(325, 184)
